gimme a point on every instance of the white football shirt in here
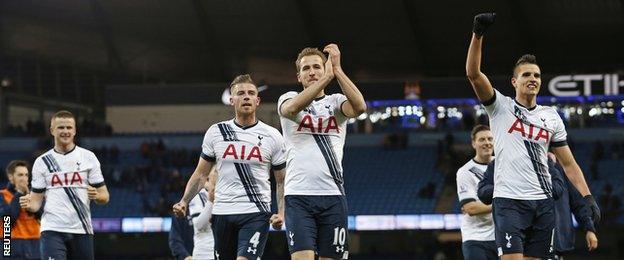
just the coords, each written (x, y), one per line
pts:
(315, 140)
(64, 179)
(479, 227)
(244, 157)
(522, 138)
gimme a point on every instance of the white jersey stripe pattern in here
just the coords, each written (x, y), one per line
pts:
(522, 137)
(64, 178)
(534, 154)
(324, 144)
(244, 156)
(81, 210)
(245, 175)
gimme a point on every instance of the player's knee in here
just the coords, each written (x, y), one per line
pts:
(511, 257)
(303, 255)
(241, 258)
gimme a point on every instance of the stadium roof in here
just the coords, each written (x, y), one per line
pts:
(202, 40)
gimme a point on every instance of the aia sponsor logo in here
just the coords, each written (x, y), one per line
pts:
(321, 125)
(529, 131)
(66, 179)
(242, 152)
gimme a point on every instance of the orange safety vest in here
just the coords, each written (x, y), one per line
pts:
(27, 226)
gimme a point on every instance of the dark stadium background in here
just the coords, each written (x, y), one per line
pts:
(146, 78)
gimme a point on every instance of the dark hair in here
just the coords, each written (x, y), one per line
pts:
(10, 169)
(240, 79)
(525, 59)
(477, 129)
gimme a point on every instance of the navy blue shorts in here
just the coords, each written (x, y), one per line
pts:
(317, 223)
(479, 250)
(25, 249)
(524, 226)
(240, 235)
(61, 246)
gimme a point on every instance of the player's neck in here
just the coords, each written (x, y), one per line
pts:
(64, 149)
(320, 94)
(246, 120)
(483, 159)
(527, 101)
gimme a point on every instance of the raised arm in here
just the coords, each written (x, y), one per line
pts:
(195, 183)
(291, 107)
(480, 83)
(355, 104)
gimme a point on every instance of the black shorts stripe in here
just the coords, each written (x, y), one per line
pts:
(324, 145)
(248, 185)
(279, 166)
(75, 202)
(534, 155)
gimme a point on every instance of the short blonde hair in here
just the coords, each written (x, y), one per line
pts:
(240, 79)
(309, 52)
(62, 114)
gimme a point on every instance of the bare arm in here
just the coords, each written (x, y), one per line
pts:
(197, 180)
(571, 169)
(195, 183)
(355, 104)
(32, 202)
(479, 81)
(290, 108)
(476, 208)
(102, 195)
(279, 179)
(212, 183)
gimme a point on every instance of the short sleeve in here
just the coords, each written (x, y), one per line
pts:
(38, 182)
(208, 152)
(339, 100)
(466, 188)
(494, 105)
(560, 136)
(278, 155)
(96, 179)
(286, 96)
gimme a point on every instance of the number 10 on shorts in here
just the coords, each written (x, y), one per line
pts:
(340, 235)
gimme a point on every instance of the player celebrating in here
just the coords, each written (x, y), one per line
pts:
(69, 176)
(313, 125)
(244, 150)
(523, 206)
(477, 227)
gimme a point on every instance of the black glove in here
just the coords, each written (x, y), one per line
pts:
(482, 22)
(592, 207)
